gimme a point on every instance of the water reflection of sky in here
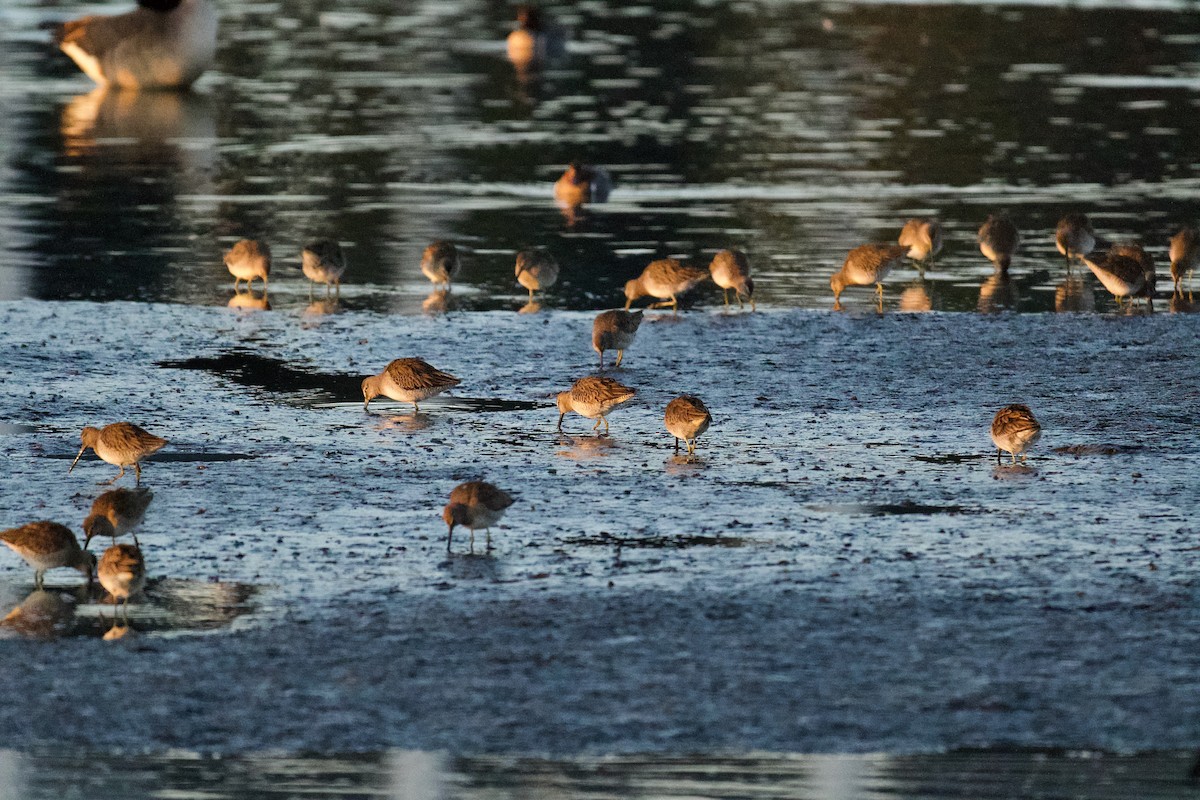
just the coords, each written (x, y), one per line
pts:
(793, 130)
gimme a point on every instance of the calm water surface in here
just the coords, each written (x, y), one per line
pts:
(793, 130)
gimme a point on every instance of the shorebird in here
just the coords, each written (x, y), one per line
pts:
(1185, 255)
(535, 39)
(1014, 429)
(582, 184)
(116, 513)
(998, 240)
(475, 504)
(1074, 236)
(536, 270)
(162, 44)
(686, 418)
(922, 237)
(121, 444)
(407, 380)
(324, 262)
(247, 260)
(1125, 270)
(664, 279)
(47, 545)
(615, 330)
(593, 397)
(440, 263)
(730, 269)
(865, 265)
(122, 571)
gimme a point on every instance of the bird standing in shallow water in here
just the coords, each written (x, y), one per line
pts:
(47, 545)
(664, 279)
(122, 572)
(162, 44)
(1014, 429)
(730, 269)
(407, 380)
(1125, 270)
(116, 513)
(1185, 255)
(475, 504)
(323, 261)
(865, 265)
(121, 444)
(615, 330)
(923, 238)
(1074, 237)
(998, 240)
(440, 263)
(593, 397)
(246, 260)
(686, 418)
(536, 270)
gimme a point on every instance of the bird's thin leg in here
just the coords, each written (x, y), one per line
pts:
(235, 285)
(37, 578)
(997, 455)
(415, 409)
(725, 294)
(489, 539)
(674, 305)
(605, 420)
(137, 473)
(449, 538)
(531, 295)
(310, 291)
(598, 421)
(472, 539)
(620, 355)
(338, 286)
(1014, 456)
(136, 543)
(741, 305)
(676, 444)
(120, 475)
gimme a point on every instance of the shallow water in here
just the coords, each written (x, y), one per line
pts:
(793, 130)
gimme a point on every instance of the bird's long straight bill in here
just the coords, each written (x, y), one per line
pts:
(76, 461)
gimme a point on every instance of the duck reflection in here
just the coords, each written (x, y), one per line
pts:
(581, 184)
(998, 293)
(536, 41)
(438, 302)
(44, 614)
(1074, 295)
(1181, 304)
(249, 301)
(149, 118)
(915, 298)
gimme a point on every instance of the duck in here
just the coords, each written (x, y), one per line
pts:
(161, 44)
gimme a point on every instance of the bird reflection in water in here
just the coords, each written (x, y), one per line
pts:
(250, 301)
(1074, 295)
(407, 423)
(1182, 304)
(532, 307)
(537, 41)
(156, 121)
(584, 448)
(915, 298)
(44, 614)
(1008, 471)
(322, 307)
(438, 302)
(998, 293)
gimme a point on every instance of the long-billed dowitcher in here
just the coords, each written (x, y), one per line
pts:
(248, 259)
(475, 504)
(1074, 236)
(865, 265)
(440, 263)
(664, 278)
(1014, 429)
(1185, 255)
(998, 240)
(1125, 270)
(122, 572)
(922, 237)
(47, 545)
(323, 261)
(615, 330)
(160, 44)
(581, 184)
(593, 397)
(536, 270)
(407, 380)
(686, 418)
(121, 444)
(730, 269)
(116, 513)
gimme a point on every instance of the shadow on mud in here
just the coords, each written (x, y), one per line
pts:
(888, 509)
(669, 542)
(168, 605)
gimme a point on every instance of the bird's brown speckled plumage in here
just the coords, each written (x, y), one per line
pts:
(121, 444)
(1074, 236)
(122, 571)
(998, 240)
(1125, 270)
(687, 418)
(922, 237)
(536, 270)
(593, 397)
(475, 504)
(407, 380)
(865, 265)
(1014, 429)
(440, 263)
(730, 269)
(116, 513)
(248, 259)
(664, 278)
(324, 261)
(615, 330)
(47, 545)
(1185, 255)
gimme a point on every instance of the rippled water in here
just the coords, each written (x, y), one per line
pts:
(793, 130)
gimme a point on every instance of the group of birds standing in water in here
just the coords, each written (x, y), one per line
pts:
(169, 43)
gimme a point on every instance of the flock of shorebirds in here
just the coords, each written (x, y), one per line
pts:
(168, 43)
